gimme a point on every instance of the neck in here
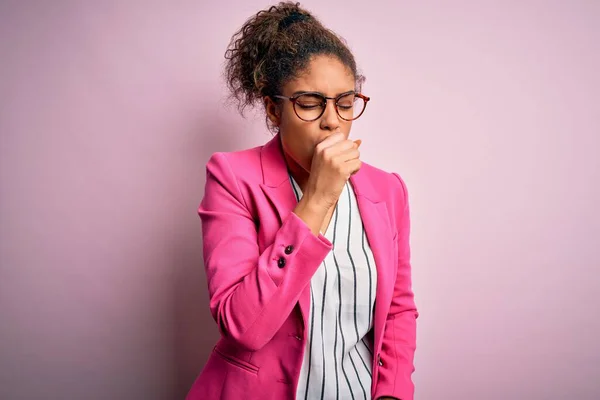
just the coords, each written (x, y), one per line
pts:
(298, 172)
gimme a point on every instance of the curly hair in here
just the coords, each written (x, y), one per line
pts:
(275, 46)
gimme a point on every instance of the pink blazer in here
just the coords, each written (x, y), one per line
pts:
(260, 257)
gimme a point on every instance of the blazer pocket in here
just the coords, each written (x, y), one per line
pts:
(236, 362)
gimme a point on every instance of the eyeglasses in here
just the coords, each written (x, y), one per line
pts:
(310, 106)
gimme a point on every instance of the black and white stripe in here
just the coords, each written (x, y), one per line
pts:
(341, 312)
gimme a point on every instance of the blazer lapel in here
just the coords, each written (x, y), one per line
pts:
(276, 181)
(375, 217)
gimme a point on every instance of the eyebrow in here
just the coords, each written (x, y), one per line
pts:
(322, 94)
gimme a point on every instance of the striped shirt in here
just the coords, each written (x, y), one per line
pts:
(338, 356)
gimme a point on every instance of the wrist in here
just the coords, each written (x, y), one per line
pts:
(316, 204)
(312, 213)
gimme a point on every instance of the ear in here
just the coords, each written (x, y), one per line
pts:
(273, 111)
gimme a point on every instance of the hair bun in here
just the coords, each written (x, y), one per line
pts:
(294, 17)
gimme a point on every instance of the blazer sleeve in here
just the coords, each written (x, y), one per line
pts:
(251, 293)
(399, 338)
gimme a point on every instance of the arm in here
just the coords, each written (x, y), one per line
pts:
(399, 337)
(251, 296)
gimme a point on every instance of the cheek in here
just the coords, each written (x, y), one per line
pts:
(303, 144)
(299, 141)
(288, 116)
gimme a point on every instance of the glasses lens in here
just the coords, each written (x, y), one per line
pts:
(309, 107)
(350, 106)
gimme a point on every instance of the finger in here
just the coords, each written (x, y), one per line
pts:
(333, 139)
(334, 150)
(344, 145)
(349, 154)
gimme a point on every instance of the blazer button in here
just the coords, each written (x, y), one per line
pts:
(379, 362)
(289, 249)
(281, 262)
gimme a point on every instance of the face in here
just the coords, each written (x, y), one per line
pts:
(328, 76)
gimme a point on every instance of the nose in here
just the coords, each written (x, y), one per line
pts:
(330, 120)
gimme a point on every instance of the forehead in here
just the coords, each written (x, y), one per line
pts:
(324, 74)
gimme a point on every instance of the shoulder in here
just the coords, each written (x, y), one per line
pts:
(238, 164)
(390, 188)
(228, 176)
(390, 184)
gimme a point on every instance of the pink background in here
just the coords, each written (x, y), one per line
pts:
(109, 111)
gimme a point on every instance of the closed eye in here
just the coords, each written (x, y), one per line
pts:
(309, 106)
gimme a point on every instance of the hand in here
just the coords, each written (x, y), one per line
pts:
(335, 159)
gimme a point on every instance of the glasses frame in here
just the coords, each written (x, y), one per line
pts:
(295, 97)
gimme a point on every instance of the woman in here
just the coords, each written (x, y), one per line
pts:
(306, 248)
